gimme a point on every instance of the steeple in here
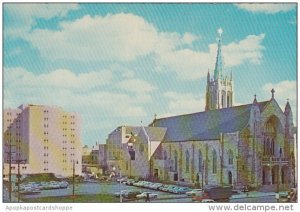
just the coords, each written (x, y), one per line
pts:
(219, 62)
(219, 89)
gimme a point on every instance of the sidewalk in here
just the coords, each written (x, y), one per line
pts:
(252, 194)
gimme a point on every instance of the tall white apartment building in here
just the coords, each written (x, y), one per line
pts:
(46, 137)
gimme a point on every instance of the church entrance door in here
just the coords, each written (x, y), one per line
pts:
(229, 178)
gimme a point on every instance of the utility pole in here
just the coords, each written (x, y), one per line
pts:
(9, 167)
(19, 176)
(73, 192)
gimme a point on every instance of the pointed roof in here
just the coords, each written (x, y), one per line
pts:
(155, 133)
(219, 60)
(287, 108)
(207, 125)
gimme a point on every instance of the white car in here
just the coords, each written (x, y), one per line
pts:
(144, 195)
(208, 200)
(194, 192)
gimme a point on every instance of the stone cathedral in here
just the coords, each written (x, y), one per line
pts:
(251, 144)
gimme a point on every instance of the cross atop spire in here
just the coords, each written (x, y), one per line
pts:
(219, 60)
(220, 31)
(272, 91)
(255, 100)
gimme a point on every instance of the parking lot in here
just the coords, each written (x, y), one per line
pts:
(112, 188)
(159, 192)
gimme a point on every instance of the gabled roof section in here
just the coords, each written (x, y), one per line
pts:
(206, 125)
(156, 133)
(132, 129)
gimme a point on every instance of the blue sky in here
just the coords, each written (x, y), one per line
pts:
(119, 64)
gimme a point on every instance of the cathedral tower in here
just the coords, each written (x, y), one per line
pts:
(219, 89)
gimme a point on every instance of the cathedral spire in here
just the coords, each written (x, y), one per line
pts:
(219, 63)
(208, 76)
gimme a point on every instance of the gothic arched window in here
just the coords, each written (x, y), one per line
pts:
(223, 101)
(187, 161)
(230, 157)
(214, 162)
(272, 147)
(165, 155)
(176, 160)
(228, 101)
(268, 147)
(200, 161)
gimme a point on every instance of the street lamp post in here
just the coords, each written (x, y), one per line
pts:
(131, 151)
(120, 186)
(114, 169)
(73, 191)
(202, 178)
(278, 173)
(19, 177)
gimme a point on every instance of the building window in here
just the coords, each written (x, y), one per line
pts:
(200, 161)
(187, 161)
(141, 148)
(223, 101)
(214, 162)
(165, 155)
(228, 101)
(230, 157)
(176, 161)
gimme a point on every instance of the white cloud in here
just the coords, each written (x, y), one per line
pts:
(126, 37)
(119, 37)
(189, 38)
(183, 103)
(66, 89)
(283, 90)
(59, 79)
(269, 8)
(250, 49)
(136, 86)
(24, 15)
(190, 64)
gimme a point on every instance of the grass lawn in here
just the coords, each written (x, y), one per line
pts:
(108, 198)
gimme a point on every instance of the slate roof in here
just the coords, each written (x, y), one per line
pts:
(206, 125)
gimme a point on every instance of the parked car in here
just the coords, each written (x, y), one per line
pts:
(144, 195)
(30, 191)
(245, 188)
(123, 179)
(183, 190)
(214, 192)
(208, 201)
(156, 186)
(130, 182)
(117, 194)
(194, 192)
(131, 194)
